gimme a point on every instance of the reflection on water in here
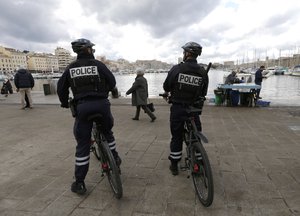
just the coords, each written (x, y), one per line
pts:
(280, 89)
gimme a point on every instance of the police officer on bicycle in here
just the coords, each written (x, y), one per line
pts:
(187, 83)
(90, 81)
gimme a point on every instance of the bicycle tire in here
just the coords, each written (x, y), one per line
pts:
(202, 177)
(95, 147)
(113, 171)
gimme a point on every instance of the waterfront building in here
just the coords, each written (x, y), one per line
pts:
(153, 64)
(64, 58)
(44, 63)
(228, 65)
(11, 59)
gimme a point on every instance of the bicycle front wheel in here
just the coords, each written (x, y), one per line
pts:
(202, 174)
(94, 146)
(112, 170)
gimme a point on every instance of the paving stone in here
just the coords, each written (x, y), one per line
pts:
(253, 152)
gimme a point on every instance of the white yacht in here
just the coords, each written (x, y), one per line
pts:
(268, 71)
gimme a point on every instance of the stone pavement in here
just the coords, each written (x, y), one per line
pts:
(254, 153)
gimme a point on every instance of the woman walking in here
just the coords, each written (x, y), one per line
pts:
(6, 88)
(139, 91)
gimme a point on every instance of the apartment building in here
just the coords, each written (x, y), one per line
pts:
(11, 60)
(64, 58)
(42, 63)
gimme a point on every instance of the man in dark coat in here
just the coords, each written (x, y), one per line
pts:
(258, 79)
(24, 82)
(231, 78)
(139, 91)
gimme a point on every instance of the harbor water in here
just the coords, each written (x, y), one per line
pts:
(278, 89)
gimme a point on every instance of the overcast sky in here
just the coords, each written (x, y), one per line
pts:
(236, 30)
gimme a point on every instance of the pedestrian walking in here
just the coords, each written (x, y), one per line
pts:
(139, 91)
(24, 83)
(6, 88)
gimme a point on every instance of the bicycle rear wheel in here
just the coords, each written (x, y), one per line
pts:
(202, 174)
(112, 170)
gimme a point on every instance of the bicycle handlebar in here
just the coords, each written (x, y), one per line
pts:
(164, 94)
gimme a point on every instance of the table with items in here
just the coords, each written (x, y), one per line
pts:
(235, 94)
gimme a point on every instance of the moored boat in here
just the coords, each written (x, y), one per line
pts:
(268, 72)
(280, 70)
(296, 71)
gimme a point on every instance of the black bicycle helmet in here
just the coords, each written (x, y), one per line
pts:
(193, 47)
(80, 44)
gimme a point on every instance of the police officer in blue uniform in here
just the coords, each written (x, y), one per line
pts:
(187, 83)
(90, 81)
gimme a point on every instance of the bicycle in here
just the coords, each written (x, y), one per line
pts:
(196, 160)
(100, 148)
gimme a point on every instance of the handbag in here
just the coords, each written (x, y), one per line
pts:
(3, 90)
(151, 107)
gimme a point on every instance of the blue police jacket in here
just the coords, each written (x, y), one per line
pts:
(87, 78)
(193, 84)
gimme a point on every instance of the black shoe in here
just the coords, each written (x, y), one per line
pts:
(152, 120)
(259, 97)
(135, 119)
(174, 169)
(78, 187)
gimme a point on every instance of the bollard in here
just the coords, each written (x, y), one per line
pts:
(46, 88)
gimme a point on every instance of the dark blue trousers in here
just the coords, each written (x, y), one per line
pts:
(82, 132)
(177, 117)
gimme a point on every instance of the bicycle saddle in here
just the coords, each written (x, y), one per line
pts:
(192, 109)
